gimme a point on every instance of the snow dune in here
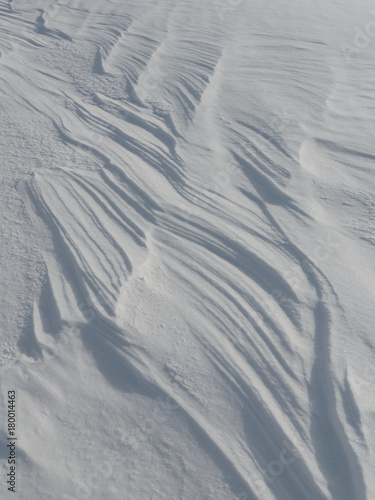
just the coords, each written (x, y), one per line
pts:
(200, 184)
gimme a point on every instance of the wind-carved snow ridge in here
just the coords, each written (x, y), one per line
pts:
(191, 255)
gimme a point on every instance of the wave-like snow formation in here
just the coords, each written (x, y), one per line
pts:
(201, 189)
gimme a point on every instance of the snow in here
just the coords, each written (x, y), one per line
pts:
(187, 252)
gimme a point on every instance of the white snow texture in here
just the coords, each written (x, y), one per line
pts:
(187, 248)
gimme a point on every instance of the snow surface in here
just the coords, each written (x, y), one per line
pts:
(187, 248)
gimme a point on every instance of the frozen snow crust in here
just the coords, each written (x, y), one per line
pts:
(187, 261)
